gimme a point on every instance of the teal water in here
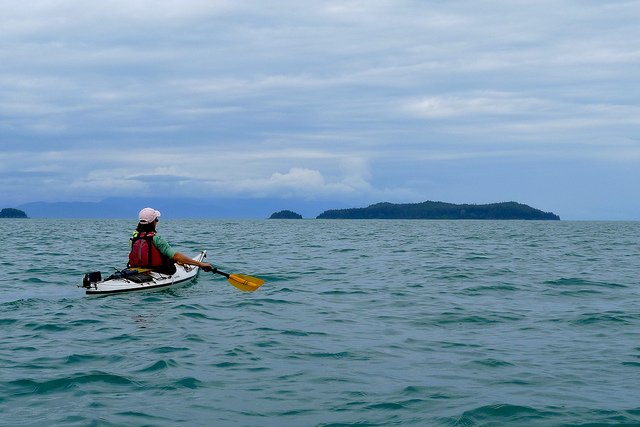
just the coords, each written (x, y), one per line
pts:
(367, 323)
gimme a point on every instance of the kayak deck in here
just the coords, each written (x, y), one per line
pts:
(130, 280)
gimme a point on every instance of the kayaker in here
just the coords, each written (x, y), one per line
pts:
(150, 250)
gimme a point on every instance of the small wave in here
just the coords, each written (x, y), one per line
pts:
(386, 406)
(168, 349)
(160, 365)
(449, 344)
(193, 338)
(296, 412)
(225, 364)
(486, 289)
(337, 355)
(123, 337)
(28, 386)
(237, 351)
(262, 302)
(195, 307)
(477, 258)
(342, 292)
(579, 292)
(454, 276)
(194, 315)
(132, 418)
(84, 322)
(501, 414)
(573, 281)
(186, 382)
(449, 318)
(505, 414)
(428, 392)
(20, 304)
(25, 348)
(607, 317)
(75, 359)
(150, 298)
(298, 333)
(46, 327)
(492, 363)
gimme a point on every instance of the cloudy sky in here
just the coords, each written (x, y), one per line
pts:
(354, 100)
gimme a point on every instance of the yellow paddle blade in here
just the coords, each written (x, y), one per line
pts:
(245, 283)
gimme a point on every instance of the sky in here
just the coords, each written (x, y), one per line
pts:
(352, 101)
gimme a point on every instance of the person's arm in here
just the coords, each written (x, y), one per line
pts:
(183, 259)
(176, 256)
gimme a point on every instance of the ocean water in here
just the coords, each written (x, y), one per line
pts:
(363, 323)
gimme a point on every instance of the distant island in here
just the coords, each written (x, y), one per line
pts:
(285, 215)
(12, 213)
(441, 210)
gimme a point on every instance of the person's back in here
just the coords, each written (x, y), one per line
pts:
(145, 253)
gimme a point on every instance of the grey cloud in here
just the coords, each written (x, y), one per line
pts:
(377, 80)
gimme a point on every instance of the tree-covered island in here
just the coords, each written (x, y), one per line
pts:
(441, 210)
(286, 214)
(12, 213)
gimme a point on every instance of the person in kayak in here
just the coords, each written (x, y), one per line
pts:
(150, 250)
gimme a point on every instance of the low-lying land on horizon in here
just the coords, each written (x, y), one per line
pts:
(262, 208)
(441, 210)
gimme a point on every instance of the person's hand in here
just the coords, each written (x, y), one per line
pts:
(206, 266)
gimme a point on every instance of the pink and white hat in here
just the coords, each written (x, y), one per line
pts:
(148, 215)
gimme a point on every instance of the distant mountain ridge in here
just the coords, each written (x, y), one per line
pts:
(441, 210)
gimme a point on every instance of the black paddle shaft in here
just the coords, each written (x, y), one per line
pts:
(215, 270)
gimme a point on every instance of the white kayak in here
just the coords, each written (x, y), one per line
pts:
(137, 279)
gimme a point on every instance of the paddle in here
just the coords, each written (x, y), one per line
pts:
(241, 281)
